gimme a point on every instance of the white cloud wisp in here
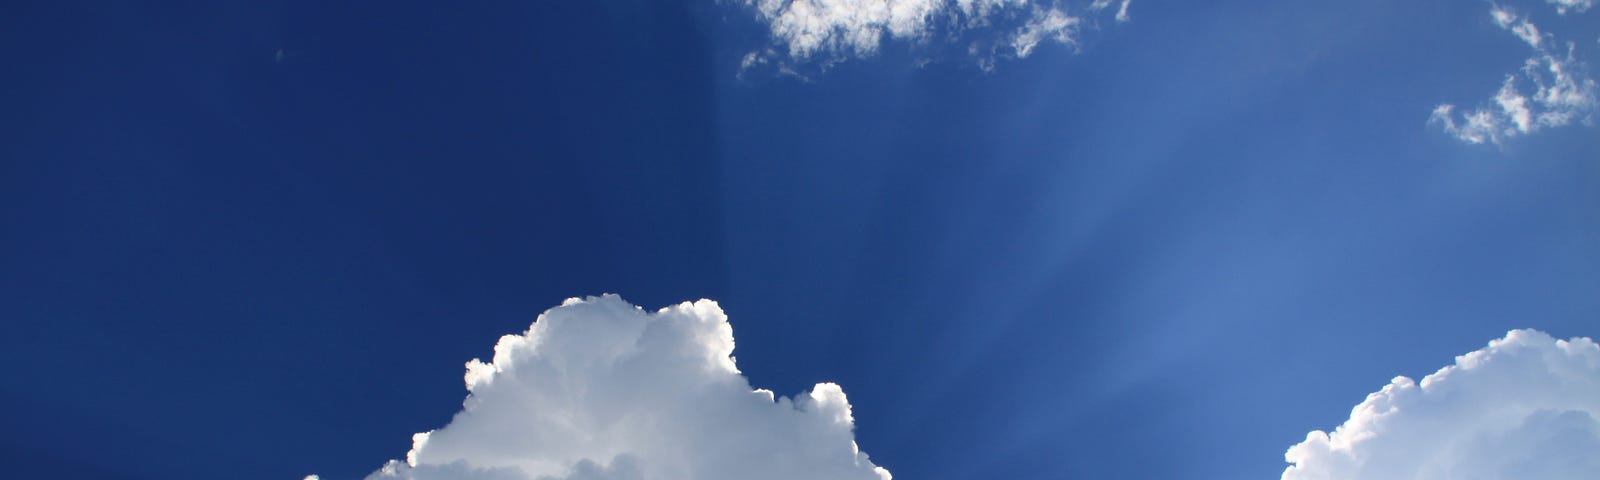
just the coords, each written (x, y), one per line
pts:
(1559, 90)
(1525, 407)
(1578, 6)
(600, 389)
(829, 31)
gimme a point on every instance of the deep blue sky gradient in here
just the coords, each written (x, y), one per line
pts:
(1167, 256)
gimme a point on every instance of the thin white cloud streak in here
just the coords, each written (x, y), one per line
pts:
(1517, 24)
(1052, 25)
(829, 31)
(1558, 89)
(1527, 406)
(600, 389)
(1578, 6)
(1122, 8)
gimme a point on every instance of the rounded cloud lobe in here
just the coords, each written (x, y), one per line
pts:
(1525, 407)
(600, 389)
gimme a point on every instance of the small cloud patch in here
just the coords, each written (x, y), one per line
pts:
(1552, 89)
(824, 32)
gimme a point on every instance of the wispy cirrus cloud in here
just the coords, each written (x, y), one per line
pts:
(1564, 6)
(829, 31)
(1526, 406)
(1552, 89)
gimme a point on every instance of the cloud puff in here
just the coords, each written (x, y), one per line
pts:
(1558, 90)
(600, 389)
(829, 31)
(1525, 407)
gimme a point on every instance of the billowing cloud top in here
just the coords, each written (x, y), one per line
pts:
(1525, 407)
(600, 389)
(831, 30)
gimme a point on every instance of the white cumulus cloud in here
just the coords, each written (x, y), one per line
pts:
(1552, 89)
(1525, 407)
(832, 30)
(600, 389)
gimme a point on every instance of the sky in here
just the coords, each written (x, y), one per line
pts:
(950, 238)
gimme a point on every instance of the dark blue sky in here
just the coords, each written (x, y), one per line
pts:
(1210, 231)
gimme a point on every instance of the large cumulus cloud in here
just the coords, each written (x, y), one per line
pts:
(1525, 407)
(600, 389)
